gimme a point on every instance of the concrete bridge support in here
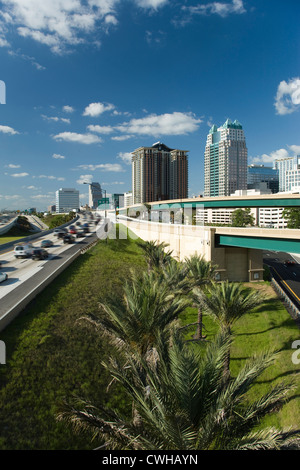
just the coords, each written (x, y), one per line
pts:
(234, 264)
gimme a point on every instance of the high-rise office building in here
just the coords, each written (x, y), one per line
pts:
(67, 199)
(258, 174)
(225, 161)
(95, 194)
(289, 173)
(159, 173)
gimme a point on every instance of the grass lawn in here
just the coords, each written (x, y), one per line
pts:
(13, 234)
(51, 356)
(268, 328)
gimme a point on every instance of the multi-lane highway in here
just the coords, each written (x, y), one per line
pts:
(286, 271)
(25, 275)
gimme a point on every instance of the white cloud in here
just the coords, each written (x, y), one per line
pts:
(68, 109)
(218, 8)
(11, 165)
(58, 157)
(59, 23)
(115, 167)
(4, 42)
(151, 3)
(111, 19)
(56, 119)
(126, 157)
(8, 130)
(269, 159)
(51, 177)
(85, 179)
(295, 149)
(43, 196)
(287, 99)
(165, 124)
(113, 182)
(100, 129)
(80, 138)
(121, 137)
(19, 175)
(95, 109)
(26, 57)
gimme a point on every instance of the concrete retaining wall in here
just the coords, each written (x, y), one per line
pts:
(5, 228)
(234, 264)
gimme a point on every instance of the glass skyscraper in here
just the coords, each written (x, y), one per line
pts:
(225, 160)
(263, 174)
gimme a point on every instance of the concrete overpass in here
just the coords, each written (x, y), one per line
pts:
(238, 252)
(262, 200)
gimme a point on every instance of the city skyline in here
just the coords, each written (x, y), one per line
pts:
(86, 83)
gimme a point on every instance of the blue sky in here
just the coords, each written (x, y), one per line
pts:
(89, 81)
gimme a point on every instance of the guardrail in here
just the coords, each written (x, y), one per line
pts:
(4, 229)
(288, 303)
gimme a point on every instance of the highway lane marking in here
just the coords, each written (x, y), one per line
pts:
(286, 283)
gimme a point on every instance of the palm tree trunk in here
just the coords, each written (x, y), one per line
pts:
(200, 325)
(226, 372)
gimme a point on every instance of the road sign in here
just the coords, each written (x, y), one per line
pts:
(103, 200)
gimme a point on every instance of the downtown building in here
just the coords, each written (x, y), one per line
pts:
(289, 173)
(95, 194)
(159, 173)
(67, 199)
(260, 176)
(225, 160)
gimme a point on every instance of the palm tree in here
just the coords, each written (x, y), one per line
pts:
(183, 405)
(147, 310)
(226, 302)
(201, 273)
(156, 254)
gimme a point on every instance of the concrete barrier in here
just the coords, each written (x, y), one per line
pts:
(5, 228)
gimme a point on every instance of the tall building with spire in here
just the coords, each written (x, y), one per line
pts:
(225, 160)
(159, 173)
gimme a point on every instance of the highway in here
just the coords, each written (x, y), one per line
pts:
(24, 275)
(287, 274)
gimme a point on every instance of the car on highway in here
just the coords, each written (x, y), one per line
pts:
(80, 233)
(69, 238)
(39, 254)
(3, 277)
(59, 230)
(23, 250)
(61, 234)
(85, 228)
(72, 229)
(46, 243)
(289, 262)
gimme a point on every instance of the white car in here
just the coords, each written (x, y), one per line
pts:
(23, 251)
(3, 277)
